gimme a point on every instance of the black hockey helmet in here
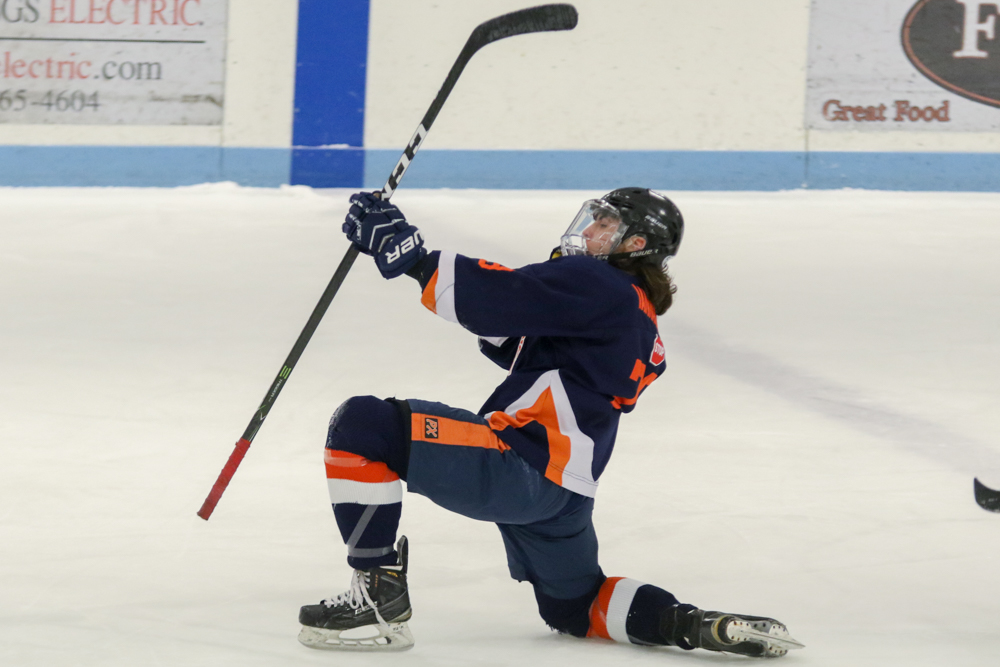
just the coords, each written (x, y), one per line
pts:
(602, 224)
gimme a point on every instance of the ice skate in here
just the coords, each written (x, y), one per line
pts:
(370, 616)
(753, 636)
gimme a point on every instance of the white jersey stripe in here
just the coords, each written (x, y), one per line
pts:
(577, 475)
(579, 468)
(618, 606)
(444, 291)
(365, 493)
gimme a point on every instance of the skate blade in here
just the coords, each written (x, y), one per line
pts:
(396, 637)
(773, 636)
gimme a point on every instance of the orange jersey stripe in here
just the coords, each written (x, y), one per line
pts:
(428, 297)
(344, 465)
(544, 412)
(445, 431)
(599, 609)
(645, 305)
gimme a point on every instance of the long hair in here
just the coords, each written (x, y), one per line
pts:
(653, 278)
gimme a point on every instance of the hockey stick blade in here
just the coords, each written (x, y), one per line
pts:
(543, 18)
(986, 497)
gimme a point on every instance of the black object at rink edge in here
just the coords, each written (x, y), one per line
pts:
(987, 498)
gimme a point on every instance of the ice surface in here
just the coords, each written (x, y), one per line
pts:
(834, 375)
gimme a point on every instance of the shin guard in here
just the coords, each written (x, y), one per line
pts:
(367, 501)
(366, 454)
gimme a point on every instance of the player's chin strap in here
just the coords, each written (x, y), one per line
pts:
(557, 253)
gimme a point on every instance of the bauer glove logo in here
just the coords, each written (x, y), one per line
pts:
(408, 244)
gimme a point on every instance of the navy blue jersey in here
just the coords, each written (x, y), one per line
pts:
(580, 340)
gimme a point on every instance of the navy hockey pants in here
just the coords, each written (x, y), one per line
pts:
(452, 457)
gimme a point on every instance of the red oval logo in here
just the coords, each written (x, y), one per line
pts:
(955, 44)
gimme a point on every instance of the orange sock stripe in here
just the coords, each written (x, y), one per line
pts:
(599, 609)
(345, 465)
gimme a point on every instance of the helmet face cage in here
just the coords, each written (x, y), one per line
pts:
(596, 230)
(653, 217)
(602, 224)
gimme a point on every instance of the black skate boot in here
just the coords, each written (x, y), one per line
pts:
(753, 636)
(370, 616)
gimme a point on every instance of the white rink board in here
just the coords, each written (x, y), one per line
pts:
(633, 75)
(833, 374)
(658, 75)
(110, 62)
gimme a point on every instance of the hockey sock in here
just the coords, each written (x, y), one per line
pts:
(627, 610)
(367, 501)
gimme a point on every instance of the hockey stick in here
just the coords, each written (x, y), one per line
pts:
(987, 498)
(534, 19)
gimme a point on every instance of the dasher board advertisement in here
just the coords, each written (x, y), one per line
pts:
(904, 65)
(107, 62)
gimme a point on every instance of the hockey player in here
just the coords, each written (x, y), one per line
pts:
(578, 335)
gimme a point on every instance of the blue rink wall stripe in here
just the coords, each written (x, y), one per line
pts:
(331, 63)
(592, 170)
(142, 166)
(691, 170)
(955, 172)
(166, 166)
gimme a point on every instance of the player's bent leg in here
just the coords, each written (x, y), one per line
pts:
(457, 461)
(365, 457)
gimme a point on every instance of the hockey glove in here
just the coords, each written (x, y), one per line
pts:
(376, 227)
(400, 252)
(371, 221)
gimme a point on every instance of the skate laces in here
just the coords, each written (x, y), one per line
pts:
(357, 594)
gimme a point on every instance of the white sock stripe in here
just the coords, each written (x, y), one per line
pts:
(444, 291)
(618, 606)
(365, 493)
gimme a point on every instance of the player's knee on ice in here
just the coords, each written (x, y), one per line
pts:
(571, 617)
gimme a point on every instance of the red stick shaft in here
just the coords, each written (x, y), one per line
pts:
(227, 474)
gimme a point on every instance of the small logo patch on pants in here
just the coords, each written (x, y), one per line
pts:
(430, 428)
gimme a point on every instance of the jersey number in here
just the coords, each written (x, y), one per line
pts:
(638, 375)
